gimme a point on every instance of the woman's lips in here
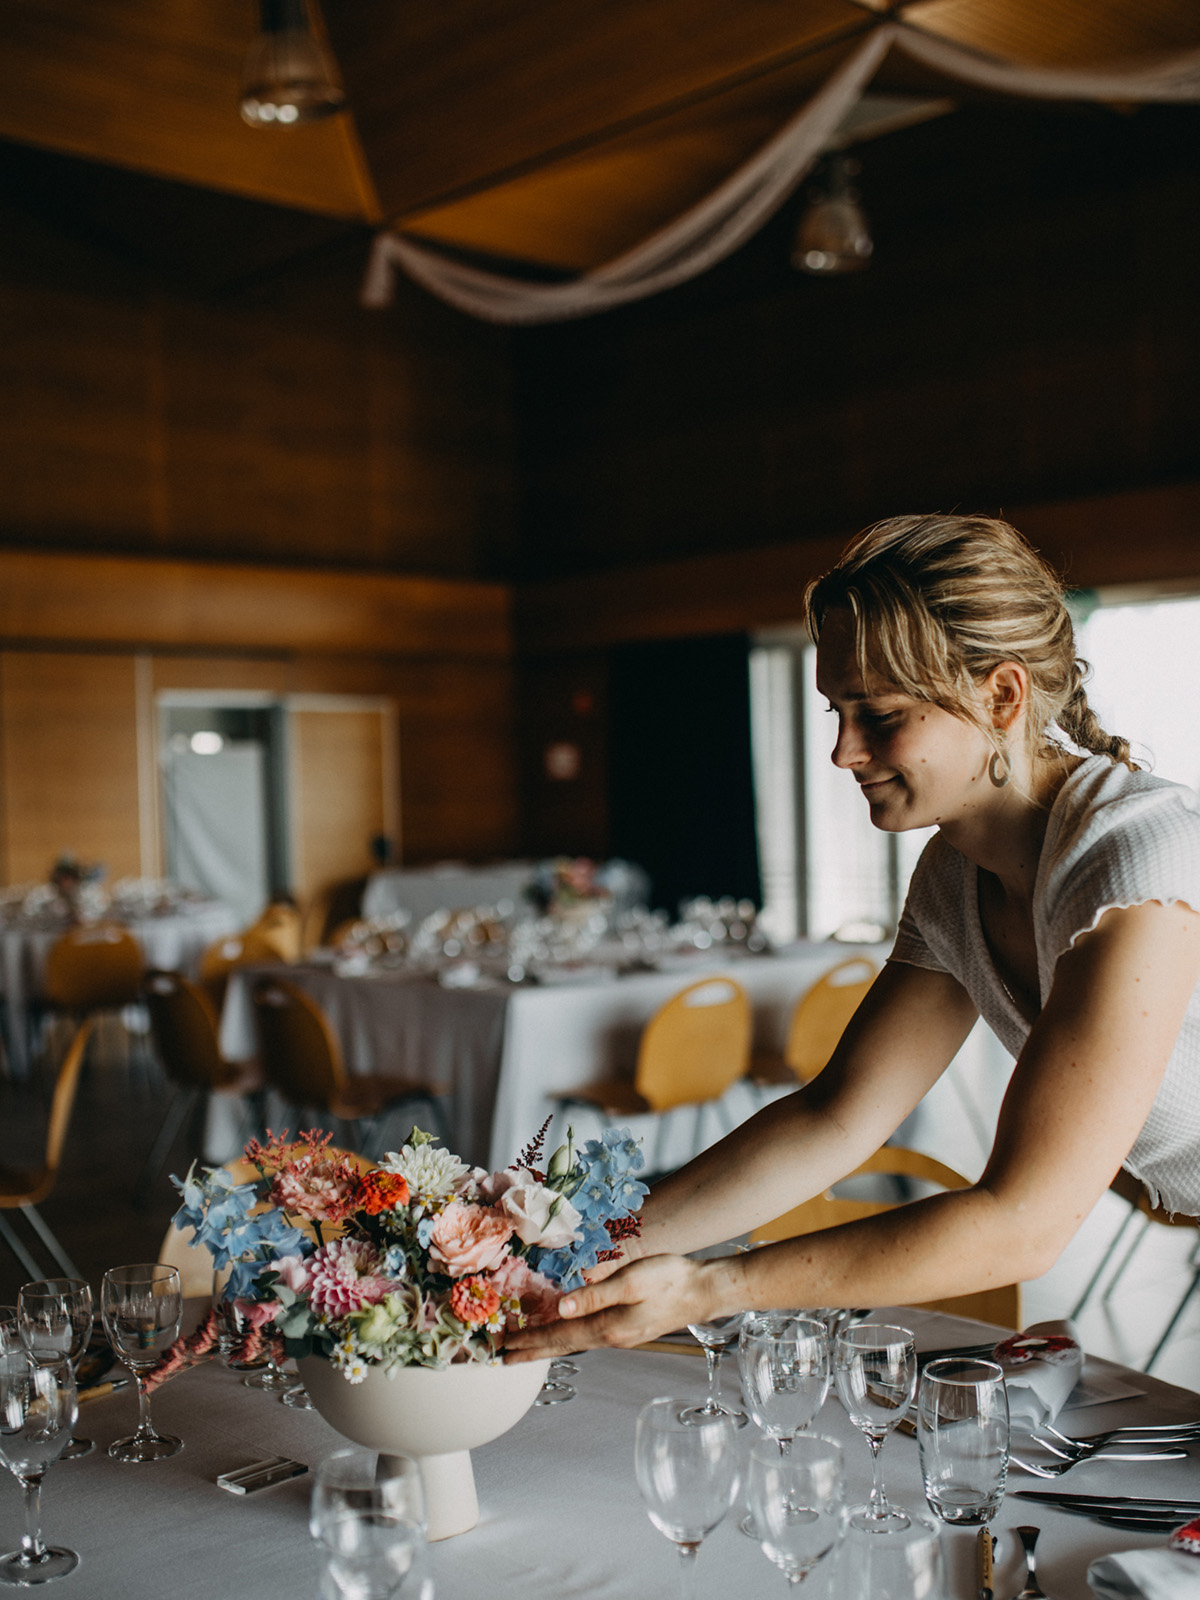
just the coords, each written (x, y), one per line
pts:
(873, 787)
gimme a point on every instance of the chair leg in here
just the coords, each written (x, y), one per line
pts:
(1170, 1327)
(63, 1260)
(1127, 1258)
(181, 1103)
(1104, 1260)
(11, 1239)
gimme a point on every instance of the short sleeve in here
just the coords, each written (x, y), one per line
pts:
(910, 946)
(931, 924)
(1136, 842)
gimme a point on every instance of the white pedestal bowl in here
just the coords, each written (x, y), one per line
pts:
(438, 1417)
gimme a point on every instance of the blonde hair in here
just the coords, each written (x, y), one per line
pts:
(938, 601)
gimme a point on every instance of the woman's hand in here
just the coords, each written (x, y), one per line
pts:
(641, 1301)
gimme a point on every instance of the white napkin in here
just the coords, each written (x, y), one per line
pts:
(1041, 1367)
(1146, 1575)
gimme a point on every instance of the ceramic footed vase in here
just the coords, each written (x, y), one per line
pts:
(438, 1417)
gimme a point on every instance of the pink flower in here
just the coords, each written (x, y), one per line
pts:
(293, 1271)
(345, 1277)
(318, 1186)
(539, 1298)
(469, 1238)
(257, 1313)
(539, 1215)
(493, 1185)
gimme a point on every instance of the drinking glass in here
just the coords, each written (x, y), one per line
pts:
(37, 1413)
(715, 1337)
(783, 1362)
(141, 1306)
(905, 1564)
(962, 1433)
(688, 1472)
(796, 1502)
(54, 1316)
(368, 1514)
(875, 1370)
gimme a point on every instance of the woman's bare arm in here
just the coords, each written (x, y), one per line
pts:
(1078, 1097)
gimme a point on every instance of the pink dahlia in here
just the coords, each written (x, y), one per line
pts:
(344, 1276)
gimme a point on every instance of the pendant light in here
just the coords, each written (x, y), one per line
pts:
(833, 235)
(289, 75)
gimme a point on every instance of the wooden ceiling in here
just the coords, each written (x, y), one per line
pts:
(557, 132)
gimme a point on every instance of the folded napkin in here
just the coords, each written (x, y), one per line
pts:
(1171, 1574)
(1041, 1367)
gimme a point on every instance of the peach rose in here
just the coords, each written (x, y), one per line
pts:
(469, 1238)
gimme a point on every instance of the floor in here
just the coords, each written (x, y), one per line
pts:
(122, 1098)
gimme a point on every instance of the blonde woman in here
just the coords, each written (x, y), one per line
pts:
(1058, 900)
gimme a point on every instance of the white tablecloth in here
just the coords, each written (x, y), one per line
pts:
(175, 942)
(506, 1051)
(451, 887)
(561, 1517)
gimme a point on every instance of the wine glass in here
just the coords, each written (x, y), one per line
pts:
(37, 1412)
(557, 1388)
(688, 1472)
(783, 1362)
(141, 1306)
(875, 1369)
(796, 1502)
(368, 1514)
(962, 1433)
(54, 1318)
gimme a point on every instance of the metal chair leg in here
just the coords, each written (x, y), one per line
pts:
(181, 1103)
(12, 1240)
(1170, 1327)
(62, 1259)
(1127, 1257)
(1104, 1260)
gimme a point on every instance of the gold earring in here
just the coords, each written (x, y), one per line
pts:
(999, 770)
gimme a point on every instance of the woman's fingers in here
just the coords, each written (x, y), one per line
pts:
(643, 1300)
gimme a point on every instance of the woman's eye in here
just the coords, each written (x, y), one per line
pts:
(880, 719)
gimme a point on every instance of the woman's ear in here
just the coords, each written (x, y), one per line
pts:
(1006, 694)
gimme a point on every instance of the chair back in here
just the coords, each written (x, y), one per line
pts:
(219, 960)
(696, 1045)
(94, 968)
(821, 1014)
(63, 1102)
(279, 927)
(184, 1025)
(298, 1049)
(1000, 1305)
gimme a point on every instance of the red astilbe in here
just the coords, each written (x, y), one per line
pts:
(186, 1352)
(619, 1229)
(381, 1191)
(308, 1179)
(532, 1152)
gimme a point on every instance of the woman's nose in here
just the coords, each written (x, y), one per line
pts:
(850, 748)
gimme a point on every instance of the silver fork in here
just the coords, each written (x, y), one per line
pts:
(1147, 1433)
(1032, 1590)
(1055, 1469)
(1085, 1449)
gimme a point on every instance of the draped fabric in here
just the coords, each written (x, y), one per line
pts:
(725, 219)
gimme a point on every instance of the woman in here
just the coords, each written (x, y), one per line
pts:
(1058, 899)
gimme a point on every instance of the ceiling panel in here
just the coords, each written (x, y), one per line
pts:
(153, 85)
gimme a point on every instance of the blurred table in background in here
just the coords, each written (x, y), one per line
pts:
(448, 885)
(506, 1049)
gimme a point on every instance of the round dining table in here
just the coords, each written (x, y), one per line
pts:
(560, 1513)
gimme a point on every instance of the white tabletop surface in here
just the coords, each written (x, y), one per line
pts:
(560, 1512)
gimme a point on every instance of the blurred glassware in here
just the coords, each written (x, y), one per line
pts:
(796, 1501)
(783, 1362)
(38, 1409)
(55, 1318)
(688, 1474)
(368, 1513)
(901, 1564)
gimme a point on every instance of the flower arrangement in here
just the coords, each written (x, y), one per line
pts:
(420, 1261)
(565, 884)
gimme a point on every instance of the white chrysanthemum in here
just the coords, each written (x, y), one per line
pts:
(430, 1172)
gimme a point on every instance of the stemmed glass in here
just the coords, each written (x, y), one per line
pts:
(37, 1413)
(796, 1501)
(688, 1472)
(368, 1513)
(715, 1337)
(556, 1388)
(141, 1306)
(54, 1318)
(783, 1362)
(875, 1369)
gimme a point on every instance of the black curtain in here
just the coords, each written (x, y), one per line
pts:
(681, 793)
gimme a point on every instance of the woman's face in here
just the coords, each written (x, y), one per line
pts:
(917, 765)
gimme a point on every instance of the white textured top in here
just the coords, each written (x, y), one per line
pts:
(1114, 838)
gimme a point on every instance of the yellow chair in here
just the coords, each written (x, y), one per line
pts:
(817, 1023)
(184, 1027)
(1001, 1306)
(280, 926)
(24, 1188)
(1133, 1191)
(692, 1050)
(239, 950)
(193, 1262)
(302, 1061)
(90, 969)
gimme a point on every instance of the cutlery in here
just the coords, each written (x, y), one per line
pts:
(1150, 1432)
(1129, 1507)
(1032, 1591)
(1055, 1469)
(1082, 1450)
